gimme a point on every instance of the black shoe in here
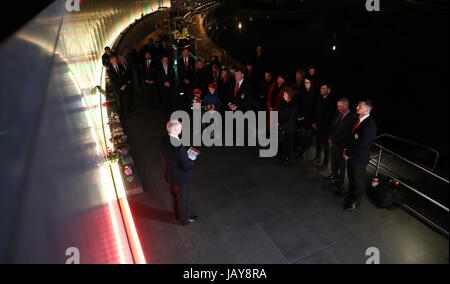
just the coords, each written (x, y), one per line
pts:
(190, 220)
(330, 177)
(351, 206)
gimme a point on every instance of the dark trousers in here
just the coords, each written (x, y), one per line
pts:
(357, 181)
(286, 145)
(322, 145)
(304, 141)
(337, 163)
(180, 201)
(124, 102)
(151, 95)
(184, 101)
(167, 97)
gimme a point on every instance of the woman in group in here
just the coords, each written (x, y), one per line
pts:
(225, 84)
(276, 90)
(287, 125)
(212, 101)
(306, 101)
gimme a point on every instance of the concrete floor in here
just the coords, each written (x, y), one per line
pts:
(253, 210)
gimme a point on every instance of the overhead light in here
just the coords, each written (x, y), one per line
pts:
(240, 25)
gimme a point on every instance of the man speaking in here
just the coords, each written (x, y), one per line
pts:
(177, 169)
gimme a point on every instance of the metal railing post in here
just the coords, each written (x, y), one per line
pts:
(378, 162)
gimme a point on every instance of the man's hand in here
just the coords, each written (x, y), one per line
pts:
(301, 118)
(123, 87)
(345, 155)
(186, 81)
(167, 84)
(314, 126)
(232, 107)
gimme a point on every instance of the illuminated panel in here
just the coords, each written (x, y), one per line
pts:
(82, 38)
(85, 205)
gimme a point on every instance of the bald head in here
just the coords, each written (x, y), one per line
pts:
(174, 127)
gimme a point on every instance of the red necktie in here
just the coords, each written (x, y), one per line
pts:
(148, 66)
(185, 64)
(236, 90)
(356, 126)
(118, 72)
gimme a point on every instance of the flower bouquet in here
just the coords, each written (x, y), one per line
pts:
(119, 139)
(113, 156)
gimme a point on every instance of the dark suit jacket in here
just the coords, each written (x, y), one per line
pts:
(358, 147)
(341, 130)
(151, 74)
(176, 165)
(128, 72)
(323, 113)
(163, 77)
(243, 97)
(184, 74)
(115, 80)
(105, 59)
(288, 115)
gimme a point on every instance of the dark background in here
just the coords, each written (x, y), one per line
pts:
(398, 57)
(18, 13)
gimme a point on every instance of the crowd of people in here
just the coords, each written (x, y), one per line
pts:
(309, 112)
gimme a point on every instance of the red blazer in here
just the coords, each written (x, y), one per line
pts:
(279, 98)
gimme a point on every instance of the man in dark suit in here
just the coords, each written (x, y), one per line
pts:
(106, 56)
(357, 153)
(323, 115)
(340, 131)
(239, 98)
(166, 81)
(119, 82)
(149, 79)
(185, 70)
(177, 171)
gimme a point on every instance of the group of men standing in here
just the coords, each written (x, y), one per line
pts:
(344, 137)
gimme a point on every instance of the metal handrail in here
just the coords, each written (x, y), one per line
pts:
(410, 162)
(377, 165)
(414, 143)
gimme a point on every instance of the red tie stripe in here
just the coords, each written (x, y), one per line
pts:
(356, 126)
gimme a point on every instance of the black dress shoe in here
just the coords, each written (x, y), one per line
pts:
(330, 177)
(351, 206)
(190, 220)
